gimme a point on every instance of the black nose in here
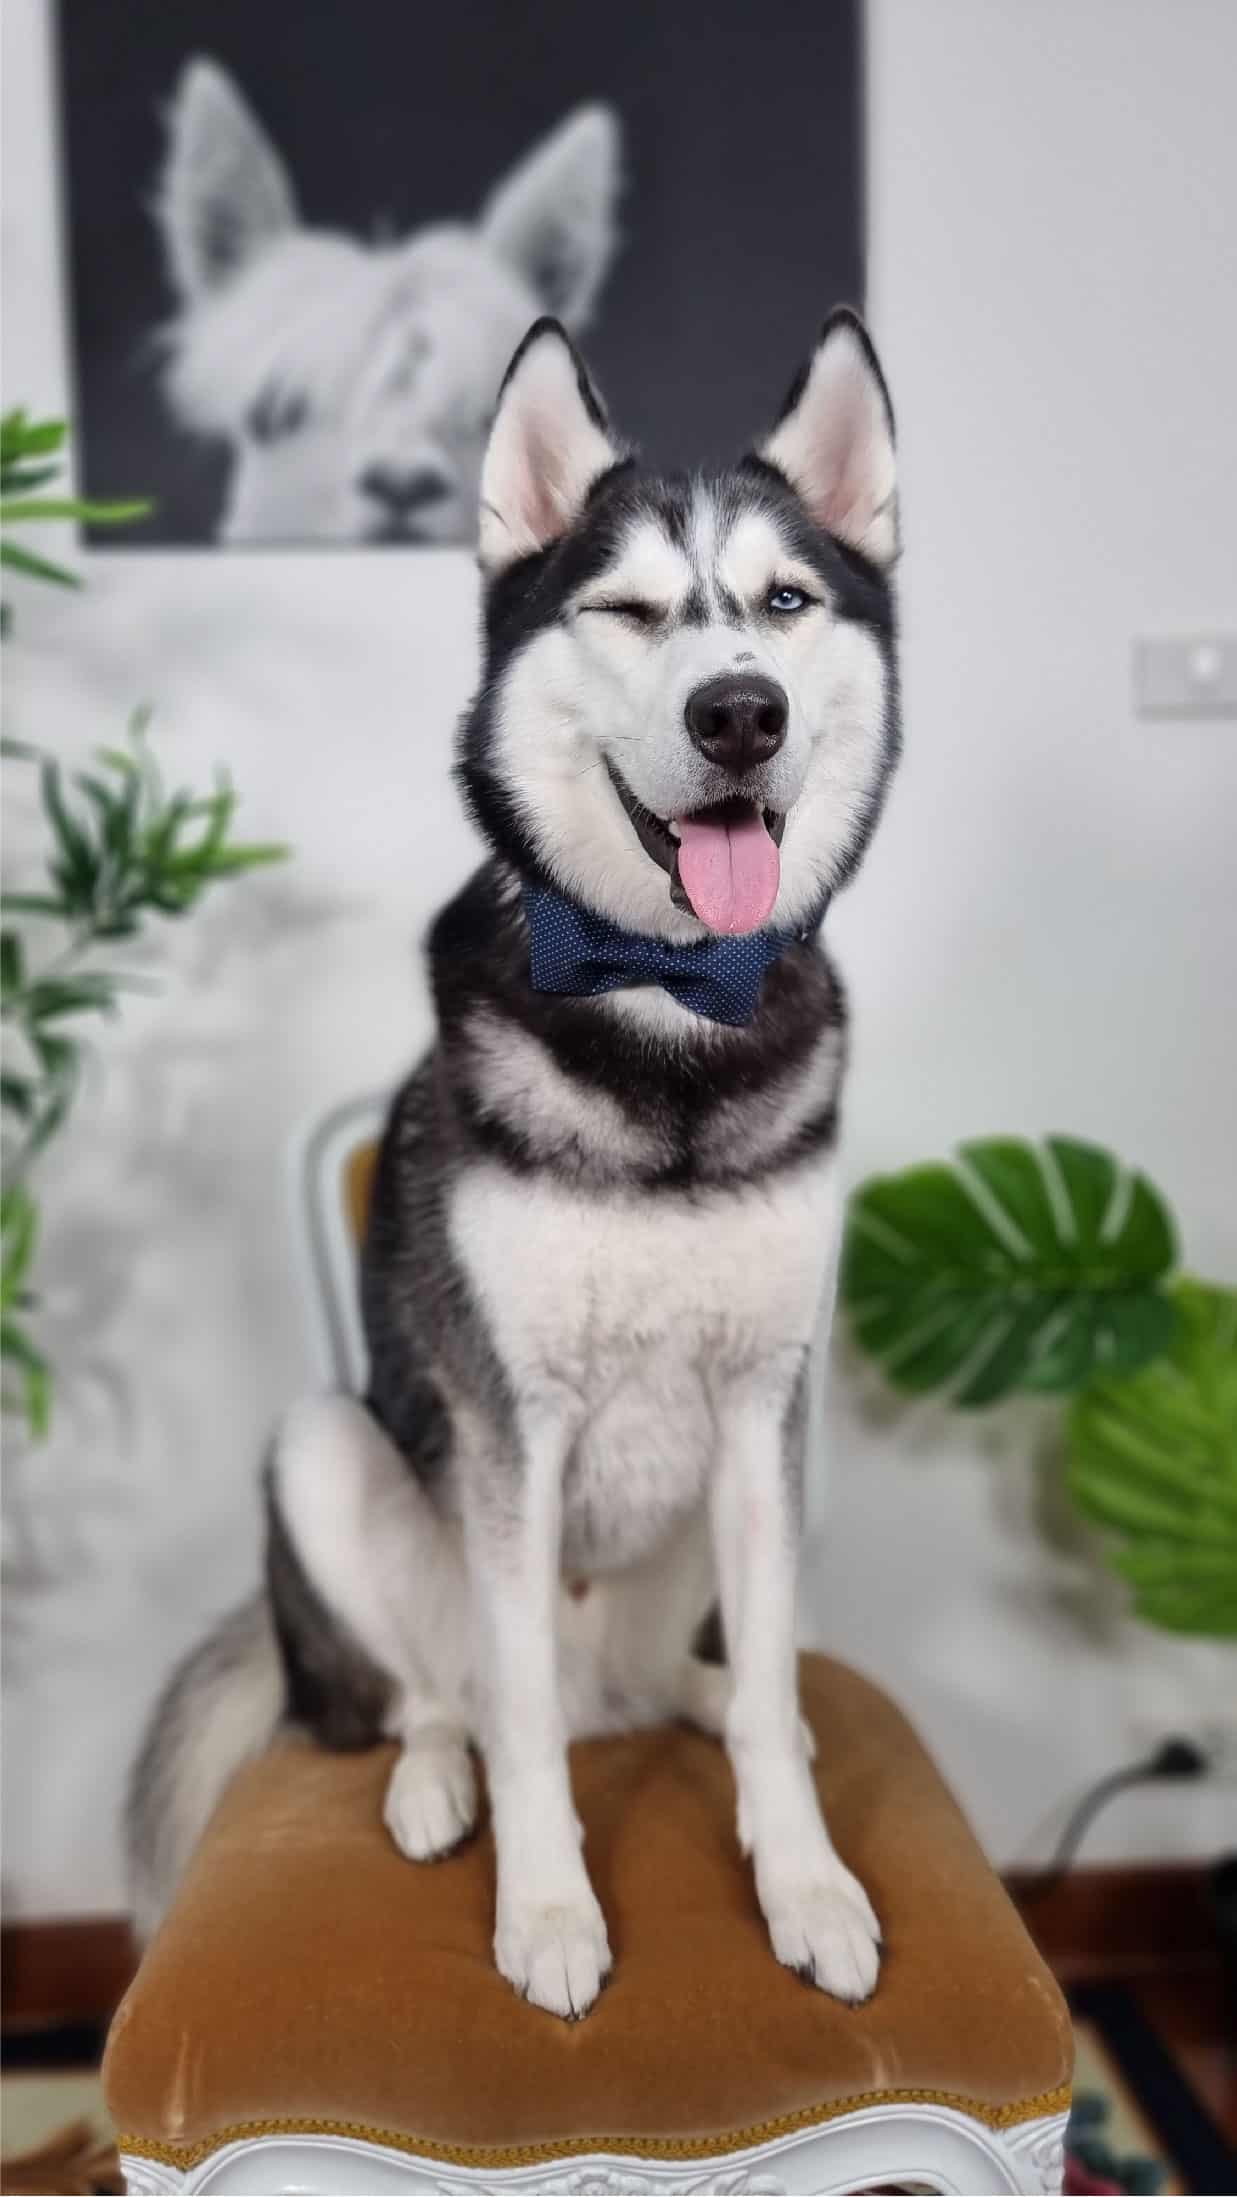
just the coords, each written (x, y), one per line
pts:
(737, 721)
(403, 489)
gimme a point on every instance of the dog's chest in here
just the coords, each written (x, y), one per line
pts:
(631, 1315)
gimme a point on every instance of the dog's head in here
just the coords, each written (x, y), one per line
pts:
(354, 383)
(689, 707)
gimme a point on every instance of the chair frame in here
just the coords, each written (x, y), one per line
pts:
(326, 1247)
(921, 2146)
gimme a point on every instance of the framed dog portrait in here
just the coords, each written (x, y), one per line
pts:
(305, 239)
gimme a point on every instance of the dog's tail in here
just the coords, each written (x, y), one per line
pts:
(219, 1709)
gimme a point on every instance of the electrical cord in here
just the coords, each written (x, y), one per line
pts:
(1173, 1758)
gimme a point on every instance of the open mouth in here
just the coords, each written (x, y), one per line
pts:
(722, 861)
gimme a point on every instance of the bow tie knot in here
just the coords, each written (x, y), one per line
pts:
(576, 952)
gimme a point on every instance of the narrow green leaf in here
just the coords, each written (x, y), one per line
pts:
(17, 478)
(88, 992)
(234, 861)
(37, 568)
(21, 437)
(17, 1348)
(12, 963)
(17, 1093)
(31, 904)
(79, 863)
(19, 1229)
(19, 510)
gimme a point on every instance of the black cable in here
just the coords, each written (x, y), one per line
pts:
(1173, 1758)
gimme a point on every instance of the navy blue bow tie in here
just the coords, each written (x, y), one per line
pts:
(575, 951)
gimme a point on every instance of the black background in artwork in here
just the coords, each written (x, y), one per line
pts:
(741, 215)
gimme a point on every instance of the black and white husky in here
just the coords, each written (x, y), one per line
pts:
(605, 1204)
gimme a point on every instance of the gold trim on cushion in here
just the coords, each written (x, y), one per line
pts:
(627, 2147)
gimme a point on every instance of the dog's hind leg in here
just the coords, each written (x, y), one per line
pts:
(387, 1653)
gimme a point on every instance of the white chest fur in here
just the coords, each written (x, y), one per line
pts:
(632, 1314)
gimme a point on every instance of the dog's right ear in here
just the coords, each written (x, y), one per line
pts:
(834, 440)
(549, 443)
(224, 193)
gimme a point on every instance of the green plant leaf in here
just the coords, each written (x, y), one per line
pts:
(37, 568)
(1153, 1459)
(17, 1093)
(87, 991)
(22, 437)
(22, 509)
(12, 963)
(31, 904)
(1016, 1267)
(34, 1396)
(17, 479)
(19, 1229)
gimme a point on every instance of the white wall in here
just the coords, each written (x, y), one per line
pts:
(1043, 938)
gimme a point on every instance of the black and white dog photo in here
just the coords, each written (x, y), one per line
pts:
(606, 1202)
(305, 240)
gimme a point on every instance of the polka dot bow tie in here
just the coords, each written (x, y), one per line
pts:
(577, 952)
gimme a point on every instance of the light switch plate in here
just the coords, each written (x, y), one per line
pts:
(1188, 675)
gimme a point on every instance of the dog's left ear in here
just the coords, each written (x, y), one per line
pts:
(834, 440)
(548, 444)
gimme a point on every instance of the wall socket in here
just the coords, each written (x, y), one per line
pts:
(1191, 675)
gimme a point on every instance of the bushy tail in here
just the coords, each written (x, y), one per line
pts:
(219, 1709)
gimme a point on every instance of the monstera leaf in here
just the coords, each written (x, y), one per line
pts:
(1017, 1267)
(1154, 1458)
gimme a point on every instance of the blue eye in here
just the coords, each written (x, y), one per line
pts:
(784, 601)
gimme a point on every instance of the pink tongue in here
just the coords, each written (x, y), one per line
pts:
(729, 868)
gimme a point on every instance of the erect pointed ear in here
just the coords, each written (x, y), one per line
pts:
(552, 218)
(548, 444)
(834, 440)
(224, 192)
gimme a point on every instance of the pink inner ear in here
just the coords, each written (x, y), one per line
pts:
(836, 447)
(544, 451)
(546, 499)
(838, 462)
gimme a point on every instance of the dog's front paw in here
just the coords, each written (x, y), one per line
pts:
(431, 1801)
(555, 1954)
(826, 1929)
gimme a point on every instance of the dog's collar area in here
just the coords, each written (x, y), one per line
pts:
(575, 952)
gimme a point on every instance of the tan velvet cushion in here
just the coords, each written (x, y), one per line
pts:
(311, 1977)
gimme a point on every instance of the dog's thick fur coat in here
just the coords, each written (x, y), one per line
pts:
(601, 1227)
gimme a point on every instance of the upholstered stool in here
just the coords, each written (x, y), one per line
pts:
(318, 2014)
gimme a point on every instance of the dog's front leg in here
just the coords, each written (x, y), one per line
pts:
(820, 1919)
(550, 1935)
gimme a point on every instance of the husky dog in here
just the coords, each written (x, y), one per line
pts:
(354, 382)
(604, 1207)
